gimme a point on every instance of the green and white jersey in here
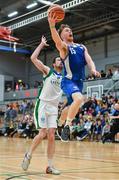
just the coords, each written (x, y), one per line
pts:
(51, 90)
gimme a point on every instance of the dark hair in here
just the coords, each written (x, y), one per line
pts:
(54, 59)
(62, 27)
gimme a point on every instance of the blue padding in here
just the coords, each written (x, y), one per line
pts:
(18, 50)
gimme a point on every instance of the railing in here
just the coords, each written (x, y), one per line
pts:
(22, 94)
(108, 85)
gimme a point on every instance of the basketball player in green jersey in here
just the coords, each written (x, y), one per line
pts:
(46, 108)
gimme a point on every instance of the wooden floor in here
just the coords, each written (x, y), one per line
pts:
(76, 160)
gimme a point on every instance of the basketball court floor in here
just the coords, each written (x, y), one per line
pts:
(76, 160)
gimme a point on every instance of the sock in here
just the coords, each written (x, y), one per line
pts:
(68, 122)
(29, 154)
(50, 164)
(59, 123)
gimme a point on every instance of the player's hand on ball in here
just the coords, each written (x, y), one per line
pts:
(52, 18)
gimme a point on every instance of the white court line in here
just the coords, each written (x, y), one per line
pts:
(18, 168)
(70, 176)
(24, 173)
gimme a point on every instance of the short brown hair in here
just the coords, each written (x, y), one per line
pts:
(62, 27)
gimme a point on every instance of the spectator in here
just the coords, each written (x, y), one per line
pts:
(114, 129)
(86, 131)
(13, 116)
(109, 73)
(103, 74)
(116, 74)
(98, 130)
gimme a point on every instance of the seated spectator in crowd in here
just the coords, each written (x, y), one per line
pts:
(116, 74)
(97, 130)
(106, 129)
(16, 87)
(76, 128)
(104, 108)
(27, 86)
(9, 129)
(114, 128)
(13, 115)
(103, 74)
(29, 126)
(90, 77)
(86, 131)
(109, 73)
(20, 128)
(37, 84)
(1, 115)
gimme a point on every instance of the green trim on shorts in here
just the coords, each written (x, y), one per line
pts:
(38, 101)
(36, 113)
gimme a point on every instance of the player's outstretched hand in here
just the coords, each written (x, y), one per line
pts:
(44, 41)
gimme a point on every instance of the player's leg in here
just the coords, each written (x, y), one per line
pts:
(63, 116)
(40, 120)
(61, 121)
(36, 141)
(74, 107)
(52, 125)
(72, 111)
(73, 91)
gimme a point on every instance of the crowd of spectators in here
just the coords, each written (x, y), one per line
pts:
(18, 119)
(92, 121)
(109, 74)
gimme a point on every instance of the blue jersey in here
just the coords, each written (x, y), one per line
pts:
(74, 64)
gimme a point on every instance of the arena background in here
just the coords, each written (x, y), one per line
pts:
(95, 23)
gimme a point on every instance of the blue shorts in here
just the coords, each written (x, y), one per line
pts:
(69, 87)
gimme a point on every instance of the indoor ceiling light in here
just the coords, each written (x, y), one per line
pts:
(45, 2)
(13, 14)
(32, 5)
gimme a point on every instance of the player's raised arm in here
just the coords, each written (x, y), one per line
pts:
(60, 45)
(91, 64)
(37, 62)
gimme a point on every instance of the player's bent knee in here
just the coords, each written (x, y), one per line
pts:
(78, 97)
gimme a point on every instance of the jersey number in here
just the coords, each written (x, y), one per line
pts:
(72, 51)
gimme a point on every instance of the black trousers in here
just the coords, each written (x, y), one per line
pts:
(113, 131)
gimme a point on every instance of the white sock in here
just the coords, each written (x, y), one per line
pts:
(29, 154)
(60, 123)
(50, 163)
(68, 122)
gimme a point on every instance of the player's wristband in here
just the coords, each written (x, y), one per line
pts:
(52, 27)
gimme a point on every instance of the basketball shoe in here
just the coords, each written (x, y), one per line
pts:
(26, 162)
(52, 170)
(65, 134)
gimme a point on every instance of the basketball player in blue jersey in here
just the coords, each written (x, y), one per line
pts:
(74, 57)
(46, 108)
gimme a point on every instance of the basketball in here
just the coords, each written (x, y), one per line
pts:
(58, 10)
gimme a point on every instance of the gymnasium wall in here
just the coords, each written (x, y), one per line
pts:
(20, 66)
(16, 65)
(96, 50)
(37, 75)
